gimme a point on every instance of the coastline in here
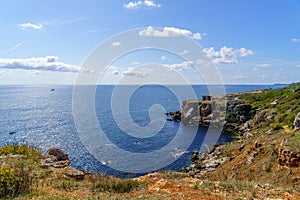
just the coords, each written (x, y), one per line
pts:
(263, 163)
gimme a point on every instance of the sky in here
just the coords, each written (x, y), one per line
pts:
(248, 42)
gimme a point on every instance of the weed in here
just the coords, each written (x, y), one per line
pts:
(195, 186)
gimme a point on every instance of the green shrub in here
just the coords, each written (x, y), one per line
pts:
(15, 149)
(195, 186)
(14, 181)
(277, 126)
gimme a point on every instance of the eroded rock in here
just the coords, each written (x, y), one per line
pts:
(206, 161)
(74, 173)
(297, 122)
(287, 158)
(56, 158)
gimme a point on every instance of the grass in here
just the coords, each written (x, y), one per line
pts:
(114, 185)
(238, 185)
(287, 107)
(22, 177)
(167, 174)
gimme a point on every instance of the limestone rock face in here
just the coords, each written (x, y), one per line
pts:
(204, 112)
(206, 161)
(297, 122)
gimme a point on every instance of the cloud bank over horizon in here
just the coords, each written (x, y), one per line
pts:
(48, 63)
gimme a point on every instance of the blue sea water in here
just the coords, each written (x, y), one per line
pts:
(44, 119)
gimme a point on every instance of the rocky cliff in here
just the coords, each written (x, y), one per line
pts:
(217, 110)
(268, 150)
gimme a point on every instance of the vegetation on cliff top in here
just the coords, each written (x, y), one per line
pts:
(283, 104)
(269, 148)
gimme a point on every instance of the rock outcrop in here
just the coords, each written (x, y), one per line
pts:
(206, 161)
(287, 158)
(56, 158)
(297, 122)
(74, 173)
(234, 112)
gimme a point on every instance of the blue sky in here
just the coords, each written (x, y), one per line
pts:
(249, 41)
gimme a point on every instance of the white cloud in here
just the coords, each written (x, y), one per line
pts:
(2, 72)
(245, 52)
(295, 40)
(298, 66)
(48, 63)
(115, 44)
(133, 5)
(112, 68)
(115, 72)
(184, 52)
(150, 3)
(33, 73)
(197, 36)
(263, 65)
(134, 72)
(139, 4)
(168, 32)
(30, 26)
(181, 66)
(226, 55)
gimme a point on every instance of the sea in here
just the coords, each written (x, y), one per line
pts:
(43, 116)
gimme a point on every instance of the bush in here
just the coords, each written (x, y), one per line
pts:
(15, 149)
(277, 126)
(14, 181)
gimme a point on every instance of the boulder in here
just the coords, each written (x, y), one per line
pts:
(56, 158)
(195, 156)
(297, 122)
(74, 173)
(59, 154)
